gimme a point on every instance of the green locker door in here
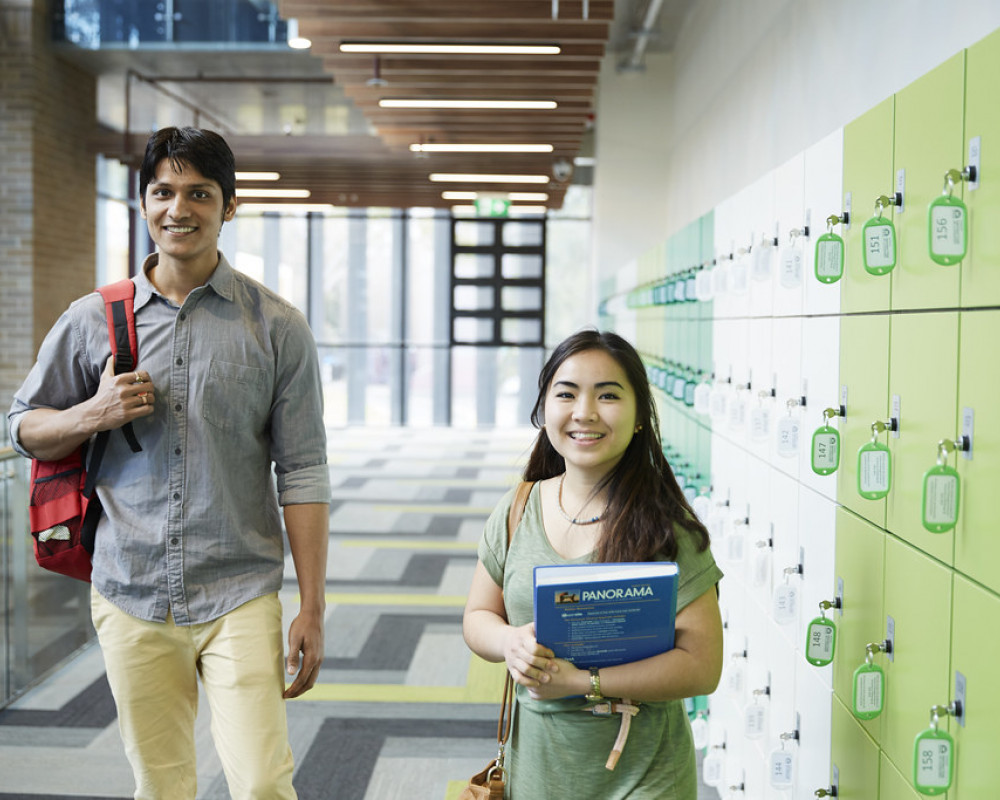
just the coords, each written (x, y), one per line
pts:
(864, 376)
(930, 118)
(977, 546)
(859, 571)
(923, 374)
(868, 174)
(893, 785)
(975, 656)
(918, 599)
(980, 277)
(854, 757)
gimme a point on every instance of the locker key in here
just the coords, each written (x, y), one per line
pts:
(879, 238)
(829, 260)
(934, 753)
(874, 474)
(831, 792)
(825, 457)
(869, 683)
(948, 220)
(942, 489)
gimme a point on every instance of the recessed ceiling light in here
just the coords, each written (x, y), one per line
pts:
(258, 176)
(285, 208)
(464, 177)
(451, 49)
(481, 148)
(417, 102)
(294, 194)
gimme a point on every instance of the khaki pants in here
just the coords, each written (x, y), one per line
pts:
(153, 668)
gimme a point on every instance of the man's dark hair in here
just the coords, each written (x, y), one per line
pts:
(204, 150)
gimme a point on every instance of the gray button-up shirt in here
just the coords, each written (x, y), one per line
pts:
(191, 523)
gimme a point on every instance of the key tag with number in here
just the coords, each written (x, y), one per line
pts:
(829, 260)
(875, 465)
(739, 272)
(868, 696)
(785, 601)
(934, 756)
(790, 261)
(826, 445)
(760, 418)
(942, 491)
(713, 767)
(879, 237)
(781, 764)
(788, 431)
(948, 223)
(761, 258)
(755, 716)
(821, 636)
(699, 731)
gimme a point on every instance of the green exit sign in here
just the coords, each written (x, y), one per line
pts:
(492, 207)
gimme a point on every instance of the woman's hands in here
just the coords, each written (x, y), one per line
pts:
(529, 663)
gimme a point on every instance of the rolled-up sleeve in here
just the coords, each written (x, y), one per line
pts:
(298, 434)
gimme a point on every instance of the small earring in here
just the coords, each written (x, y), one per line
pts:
(638, 428)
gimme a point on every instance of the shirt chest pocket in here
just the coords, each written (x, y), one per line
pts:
(236, 397)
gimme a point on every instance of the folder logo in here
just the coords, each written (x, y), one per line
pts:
(566, 598)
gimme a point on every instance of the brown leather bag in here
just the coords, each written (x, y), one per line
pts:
(489, 784)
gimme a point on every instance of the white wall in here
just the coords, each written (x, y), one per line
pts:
(750, 84)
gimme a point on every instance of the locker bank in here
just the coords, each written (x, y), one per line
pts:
(794, 214)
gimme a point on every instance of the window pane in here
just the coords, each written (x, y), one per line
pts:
(473, 298)
(521, 298)
(515, 265)
(472, 265)
(521, 331)
(293, 269)
(470, 330)
(471, 234)
(523, 234)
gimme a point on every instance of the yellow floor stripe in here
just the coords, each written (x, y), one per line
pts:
(358, 599)
(485, 685)
(406, 544)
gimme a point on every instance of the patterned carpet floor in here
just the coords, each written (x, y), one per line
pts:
(401, 709)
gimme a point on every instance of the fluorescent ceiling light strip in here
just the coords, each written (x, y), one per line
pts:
(258, 176)
(459, 177)
(451, 49)
(292, 194)
(530, 197)
(289, 208)
(481, 148)
(416, 102)
(512, 211)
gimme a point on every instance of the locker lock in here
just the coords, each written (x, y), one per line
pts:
(885, 646)
(884, 201)
(831, 792)
(953, 709)
(881, 427)
(954, 176)
(830, 413)
(836, 219)
(946, 446)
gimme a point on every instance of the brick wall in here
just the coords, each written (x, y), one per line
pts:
(48, 186)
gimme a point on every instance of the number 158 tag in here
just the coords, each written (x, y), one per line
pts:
(933, 761)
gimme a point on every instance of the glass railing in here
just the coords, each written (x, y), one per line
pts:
(46, 617)
(135, 24)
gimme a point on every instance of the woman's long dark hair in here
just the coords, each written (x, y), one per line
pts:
(645, 502)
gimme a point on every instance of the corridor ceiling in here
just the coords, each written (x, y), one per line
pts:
(314, 116)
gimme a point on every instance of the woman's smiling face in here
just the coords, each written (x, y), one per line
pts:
(590, 411)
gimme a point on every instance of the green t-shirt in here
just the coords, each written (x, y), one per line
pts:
(555, 748)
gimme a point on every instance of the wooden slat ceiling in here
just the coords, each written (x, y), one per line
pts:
(356, 172)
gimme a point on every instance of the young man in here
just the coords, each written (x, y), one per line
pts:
(189, 554)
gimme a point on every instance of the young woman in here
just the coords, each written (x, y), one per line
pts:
(603, 492)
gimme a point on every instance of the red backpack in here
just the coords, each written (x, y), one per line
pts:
(64, 510)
